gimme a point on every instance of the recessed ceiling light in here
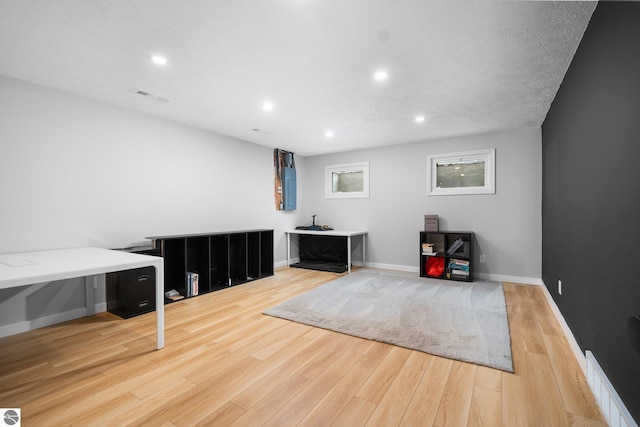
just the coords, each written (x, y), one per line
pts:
(380, 75)
(419, 119)
(159, 60)
(328, 134)
(267, 106)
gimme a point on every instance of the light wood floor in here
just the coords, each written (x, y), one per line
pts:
(227, 364)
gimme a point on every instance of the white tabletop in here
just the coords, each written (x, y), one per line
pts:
(343, 233)
(46, 266)
(36, 267)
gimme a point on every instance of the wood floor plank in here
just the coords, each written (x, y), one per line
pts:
(225, 362)
(488, 378)
(394, 403)
(272, 402)
(517, 409)
(306, 399)
(325, 412)
(338, 344)
(426, 400)
(355, 414)
(571, 381)
(382, 378)
(298, 357)
(456, 399)
(223, 416)
(486, 408)
(148, 405)
(542, 388)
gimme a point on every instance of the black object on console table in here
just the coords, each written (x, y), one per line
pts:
(217, 260)
(325, 253)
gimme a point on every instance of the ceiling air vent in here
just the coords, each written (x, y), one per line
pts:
(149, 95)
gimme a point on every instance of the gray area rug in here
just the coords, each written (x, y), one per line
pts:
(457, 320)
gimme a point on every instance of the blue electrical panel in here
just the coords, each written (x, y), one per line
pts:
(289, 188)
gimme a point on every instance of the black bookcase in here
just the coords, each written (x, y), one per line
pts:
(451, 257)
(220, 259)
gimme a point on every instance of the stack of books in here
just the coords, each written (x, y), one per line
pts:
(192, 284)
(458, 267)
(428, 249)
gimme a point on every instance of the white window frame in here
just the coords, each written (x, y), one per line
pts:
(488, 156)
(347, 167)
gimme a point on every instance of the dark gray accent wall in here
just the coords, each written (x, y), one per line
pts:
(591, 195)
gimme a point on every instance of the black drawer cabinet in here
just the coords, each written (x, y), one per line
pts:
(131, 292)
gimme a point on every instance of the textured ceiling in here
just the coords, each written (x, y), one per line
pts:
(468, 66)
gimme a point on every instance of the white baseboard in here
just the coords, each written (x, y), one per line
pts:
(41, 322)
(575, 348)
(411, 269)
(280, 264)
(507, 278)
(27, 325)
(478, 276)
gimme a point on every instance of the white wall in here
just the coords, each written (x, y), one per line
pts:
(507, 224)
(76, 172)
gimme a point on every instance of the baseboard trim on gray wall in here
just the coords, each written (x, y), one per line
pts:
(575, 348)
(511, 279)
(479, 276)
(40, 322)
(411, 268)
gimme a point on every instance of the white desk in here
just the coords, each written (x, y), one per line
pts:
(39, 267)
(338, 233)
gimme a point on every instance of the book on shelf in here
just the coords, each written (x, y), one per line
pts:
(459, 273)
(458, 267)
(430, 253)
(192, 284)
(455, 246)
(459, 248)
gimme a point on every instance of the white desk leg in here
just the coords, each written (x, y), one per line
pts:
(90, 286)
(288, 249)
(349, 254)
(364, 250)
(159, 305)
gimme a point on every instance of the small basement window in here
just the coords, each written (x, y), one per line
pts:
(470, 172)
(348, 181)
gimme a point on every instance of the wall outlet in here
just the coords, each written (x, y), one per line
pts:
(482, 259)
(560, 287)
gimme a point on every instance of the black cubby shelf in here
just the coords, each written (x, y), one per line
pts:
(451, 257)
(220, 259)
